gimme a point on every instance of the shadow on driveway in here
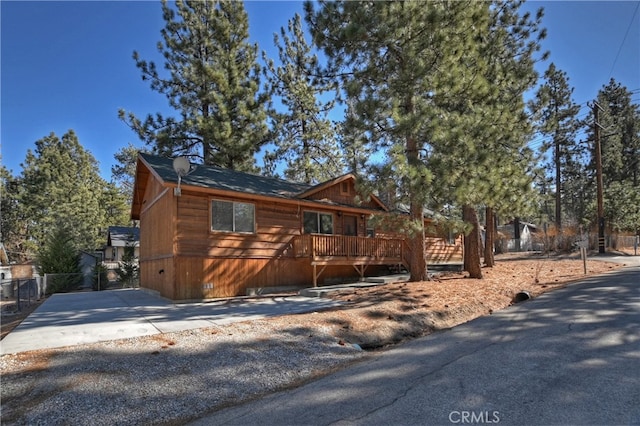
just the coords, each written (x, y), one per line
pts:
(82, 318)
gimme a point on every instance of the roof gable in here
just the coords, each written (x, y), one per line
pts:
(341, 188)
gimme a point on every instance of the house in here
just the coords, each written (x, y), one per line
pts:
(218, 232)
(517, 235)
(119, 237)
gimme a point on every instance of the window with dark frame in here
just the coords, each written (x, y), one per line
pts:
(231, 216)
(317, 223)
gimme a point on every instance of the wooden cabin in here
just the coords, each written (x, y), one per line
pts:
(220, 232)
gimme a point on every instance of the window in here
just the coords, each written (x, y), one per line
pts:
(229, 216)
(318, 223)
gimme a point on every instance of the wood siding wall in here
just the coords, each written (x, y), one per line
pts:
(205, 278)
(275, 227)
(209, 264)
(157, 240)
(183, 259)
(439, 251)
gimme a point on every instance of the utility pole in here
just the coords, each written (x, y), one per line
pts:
(599, 181)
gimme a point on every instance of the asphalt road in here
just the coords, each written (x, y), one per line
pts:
(568, 357)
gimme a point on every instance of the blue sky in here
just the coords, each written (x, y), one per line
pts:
(67, 65)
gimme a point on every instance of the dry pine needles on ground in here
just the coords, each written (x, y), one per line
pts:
(375, 317)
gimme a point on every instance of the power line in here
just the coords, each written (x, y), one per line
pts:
(624, 39)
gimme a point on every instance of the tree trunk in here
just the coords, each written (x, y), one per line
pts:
(490, 232)
(418, 260)
(472, 243)
(558, 184)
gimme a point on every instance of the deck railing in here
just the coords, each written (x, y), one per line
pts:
(344, 246)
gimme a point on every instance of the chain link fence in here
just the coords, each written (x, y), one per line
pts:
(15, 294)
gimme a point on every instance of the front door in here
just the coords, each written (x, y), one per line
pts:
(350, 225)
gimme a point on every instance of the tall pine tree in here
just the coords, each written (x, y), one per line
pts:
(394, 57)
(213, 83)
(12, 220)
(619, 120)
(304, 135)
(62, 187)
(556, 115)
(480, 157)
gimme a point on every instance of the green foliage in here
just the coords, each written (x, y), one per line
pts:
(13, 223)
(622, 206)
(620, 135)
(128, 270)
(556, 116)
(619, 120)
(353, 142)
(213, 83)
(303, 134)
(59, 255)
(61, 185)
(391, 57)
(437, 87)
(123, 172)
(99, 277)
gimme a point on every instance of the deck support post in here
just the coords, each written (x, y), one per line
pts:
(316, 274)
(360, 269)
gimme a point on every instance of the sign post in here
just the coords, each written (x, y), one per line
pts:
(583, 244)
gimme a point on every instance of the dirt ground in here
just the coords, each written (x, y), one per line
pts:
(11, 318)
(375, 317)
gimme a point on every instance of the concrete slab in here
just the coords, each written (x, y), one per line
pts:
(90, 317)
(325, 290)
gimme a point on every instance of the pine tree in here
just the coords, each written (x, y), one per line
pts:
(59, 255)
(483, 160)
(12, 221)
(123, 172)
(213, 84)
(61, 185)
(128, 267)
(620, 146)
(556, 115)
(438, 87)
(353, 142)
(620, 135)
(396, 60)
(304, 136)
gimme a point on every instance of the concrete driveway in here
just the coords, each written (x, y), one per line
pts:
(571, 356)
(82, 318)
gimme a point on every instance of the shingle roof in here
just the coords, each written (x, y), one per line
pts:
(225, 179)
(118, 236)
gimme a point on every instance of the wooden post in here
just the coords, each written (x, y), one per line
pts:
(315, 277)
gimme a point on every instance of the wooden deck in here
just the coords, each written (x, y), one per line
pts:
(359, 252)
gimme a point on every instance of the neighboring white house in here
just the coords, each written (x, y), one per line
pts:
(118, 237)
